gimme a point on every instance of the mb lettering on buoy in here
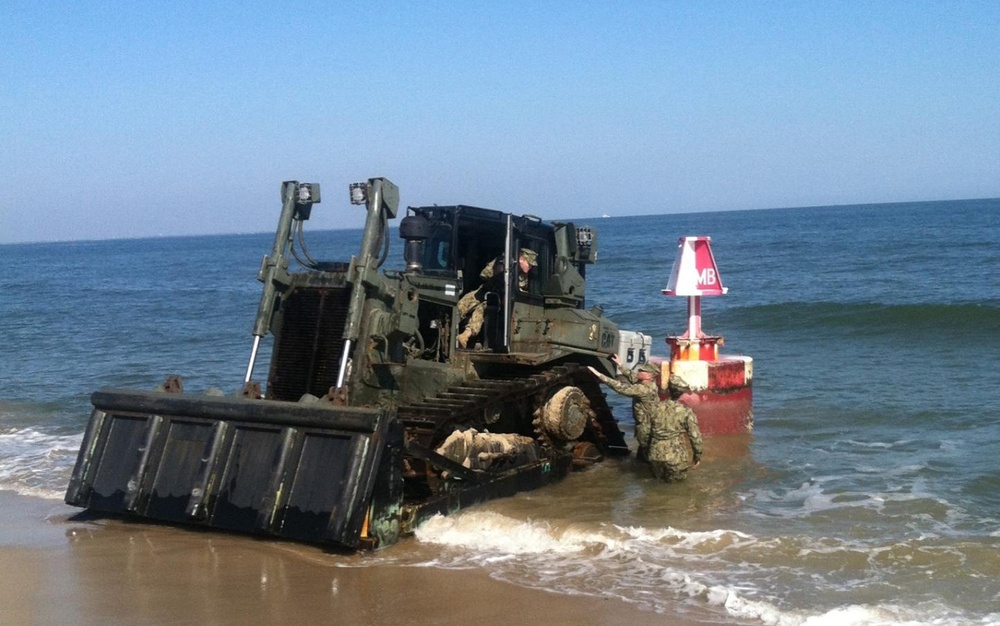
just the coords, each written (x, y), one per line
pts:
(719, 386)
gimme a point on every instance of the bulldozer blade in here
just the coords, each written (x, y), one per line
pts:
(314, 473)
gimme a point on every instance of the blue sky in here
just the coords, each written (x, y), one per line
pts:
(134, 119)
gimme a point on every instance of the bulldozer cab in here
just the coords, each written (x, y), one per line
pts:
(462, 241)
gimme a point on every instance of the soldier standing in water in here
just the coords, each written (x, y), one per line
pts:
(675, 444)
(666, 430)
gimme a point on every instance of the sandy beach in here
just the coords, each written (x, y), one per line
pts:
(59, 569)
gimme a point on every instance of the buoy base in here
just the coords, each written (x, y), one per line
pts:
(721, 392)
(722, 413)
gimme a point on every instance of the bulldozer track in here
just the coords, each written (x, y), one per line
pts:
(476, 404)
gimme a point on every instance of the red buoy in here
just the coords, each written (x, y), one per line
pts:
(720, 387)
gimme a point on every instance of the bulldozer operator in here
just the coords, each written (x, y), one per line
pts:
(472, 306)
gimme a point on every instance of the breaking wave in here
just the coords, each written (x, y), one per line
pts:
(34, 463)
(669, 570)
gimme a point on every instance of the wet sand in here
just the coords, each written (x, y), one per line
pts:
(55, 568)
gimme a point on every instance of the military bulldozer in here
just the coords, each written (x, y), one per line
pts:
(374, 418)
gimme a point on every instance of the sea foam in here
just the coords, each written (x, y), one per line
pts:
(660, 569)
(633, 564)
(34, 463)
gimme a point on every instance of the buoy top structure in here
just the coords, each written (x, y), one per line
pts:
(694, 274)
(719, 388)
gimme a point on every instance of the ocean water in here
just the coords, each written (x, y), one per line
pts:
(868, 492)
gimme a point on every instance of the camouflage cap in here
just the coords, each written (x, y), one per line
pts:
(530, 256)
(679, 384)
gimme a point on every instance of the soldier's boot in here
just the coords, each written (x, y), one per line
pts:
(463, 339)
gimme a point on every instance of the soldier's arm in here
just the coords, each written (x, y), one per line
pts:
(694, 433)
(631, 390)
(630, 376)
(493, 269)
(607, 380)
(601, 377)
(487, 272)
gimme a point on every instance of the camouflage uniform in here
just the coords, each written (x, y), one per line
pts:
(672, 428)
(645, 399)
(473, 304)
(629, 375)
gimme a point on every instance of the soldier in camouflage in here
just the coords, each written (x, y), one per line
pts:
(472, 306)
(641, 387)
(675, 444)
